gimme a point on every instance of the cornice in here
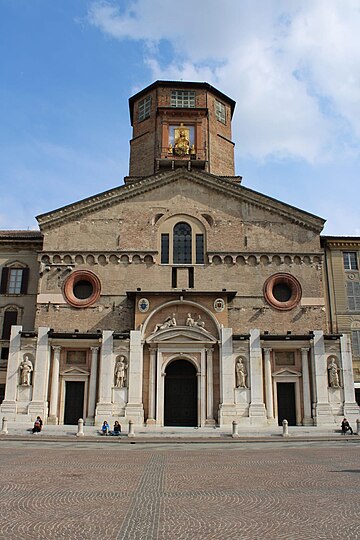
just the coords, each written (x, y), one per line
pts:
(350, 242)
(220, 184)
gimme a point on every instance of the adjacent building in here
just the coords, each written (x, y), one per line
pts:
(181, 298)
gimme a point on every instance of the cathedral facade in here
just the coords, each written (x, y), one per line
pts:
(181, 298)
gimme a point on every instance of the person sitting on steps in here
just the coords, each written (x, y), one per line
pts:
(345, 426)
(105, 428)
(37, 425)
(117, 428)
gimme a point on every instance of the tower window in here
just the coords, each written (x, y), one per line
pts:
(350, 260)
(182, 99)
(220, 112)
(144, 108)
(182, 247)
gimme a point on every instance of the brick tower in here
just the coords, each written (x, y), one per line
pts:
(181, 124)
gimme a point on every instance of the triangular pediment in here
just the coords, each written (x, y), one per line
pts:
(218, 184)
(285, 372)
(74, 371)
(186, 335)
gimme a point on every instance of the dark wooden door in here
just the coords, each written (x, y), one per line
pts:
(286, 403)
(74, 402)
(180, 406)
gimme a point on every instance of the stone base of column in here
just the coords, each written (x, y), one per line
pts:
(351, 409)
(89, 421)
(8, 407)
(271, 422)
(323, 414)
(210, 422)
(151, 422)
(53, 420)
(135, 412)
(307, 421)
(227, 414)
(257, 411)
(38, 408)
(103, 412)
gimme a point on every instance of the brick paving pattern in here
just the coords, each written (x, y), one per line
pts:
(183, 492)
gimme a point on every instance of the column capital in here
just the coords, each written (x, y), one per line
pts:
(94, 349)
(56, 348)
(305, 349)
(267, 350)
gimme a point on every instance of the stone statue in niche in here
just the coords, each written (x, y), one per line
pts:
(120, 372)
(182, 142)
(168, 323)
(240, 374)
(333, 370)
(25, 369)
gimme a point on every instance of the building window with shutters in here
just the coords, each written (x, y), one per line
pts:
(14, 280)
(350, 260)
(10, 319)
(355, 338)
(353, 295)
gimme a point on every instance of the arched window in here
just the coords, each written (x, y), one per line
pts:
(182, 247)
(182, 241)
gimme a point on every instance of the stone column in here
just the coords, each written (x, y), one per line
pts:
(160, 381)
(307, 420)
(323, 413)
(92, 386)
(152, 386)
(268, 385)
(54, 392)
(210, 388)
(134, 409)
(202, 388)
(12, 374)
(227, 379)
(106, 377)
(351, 409)
(39, 404)
(257, 412)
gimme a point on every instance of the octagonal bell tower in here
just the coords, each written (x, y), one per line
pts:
(181, 124)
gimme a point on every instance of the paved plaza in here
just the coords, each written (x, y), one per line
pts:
(183, 491)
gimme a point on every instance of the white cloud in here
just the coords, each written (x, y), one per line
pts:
(291, 66)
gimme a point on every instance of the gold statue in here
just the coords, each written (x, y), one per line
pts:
(182, 142)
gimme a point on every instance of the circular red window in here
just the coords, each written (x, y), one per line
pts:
(282, 291)
(82, 288)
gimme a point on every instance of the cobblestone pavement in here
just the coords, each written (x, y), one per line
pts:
(167, 491)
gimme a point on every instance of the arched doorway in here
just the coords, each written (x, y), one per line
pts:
(180, 400)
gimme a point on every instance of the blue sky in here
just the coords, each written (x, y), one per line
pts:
(67, 69)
